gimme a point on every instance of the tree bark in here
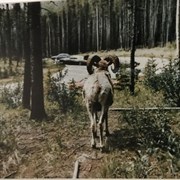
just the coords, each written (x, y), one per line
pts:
(97, 28)
(9, 43)
(133, 47)
(27, 66)
(37, 108)
(178, 29)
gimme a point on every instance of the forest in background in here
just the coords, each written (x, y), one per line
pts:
(87, 25)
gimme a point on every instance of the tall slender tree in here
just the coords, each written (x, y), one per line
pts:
(37, 108)
(27, 66)
(178, 29)
(9, 41)
(133, 46)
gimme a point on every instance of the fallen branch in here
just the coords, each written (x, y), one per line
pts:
(148, 108)
(75, 150)
(10, 175)
(92, 158)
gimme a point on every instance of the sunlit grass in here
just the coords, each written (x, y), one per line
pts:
(144, 97)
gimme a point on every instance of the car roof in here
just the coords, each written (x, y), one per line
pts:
(63, 54)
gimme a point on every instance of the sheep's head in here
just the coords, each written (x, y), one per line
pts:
(102, 64)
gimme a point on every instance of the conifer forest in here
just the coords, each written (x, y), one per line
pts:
(88, 25)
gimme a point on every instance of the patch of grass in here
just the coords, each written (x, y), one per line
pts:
(144, 97)
(139, 164)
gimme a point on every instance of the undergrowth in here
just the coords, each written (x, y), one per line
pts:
(168, 81)
(58, 92)
(147, 144)
(11, 95)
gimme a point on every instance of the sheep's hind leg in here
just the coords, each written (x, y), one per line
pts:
(93, 126)
(93, 131)
(101, 120)
(106, 123)
(95, 123)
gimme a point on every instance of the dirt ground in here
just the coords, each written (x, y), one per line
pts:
(50, 150)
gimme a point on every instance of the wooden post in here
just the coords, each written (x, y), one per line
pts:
(76, 170)
(147, 108)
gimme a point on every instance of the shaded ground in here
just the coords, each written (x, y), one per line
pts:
(50, 149)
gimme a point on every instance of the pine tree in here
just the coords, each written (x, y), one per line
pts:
(37, 108)
(178, 29)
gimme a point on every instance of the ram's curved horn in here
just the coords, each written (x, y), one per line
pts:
(115, 60)
(92, 61)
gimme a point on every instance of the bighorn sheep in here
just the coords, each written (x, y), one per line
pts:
(98, 93)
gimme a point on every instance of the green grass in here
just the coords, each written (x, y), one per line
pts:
(143, 97)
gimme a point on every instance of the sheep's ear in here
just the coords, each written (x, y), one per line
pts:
(116, 64)
(92, 61)
(108, 59)
(86, 57)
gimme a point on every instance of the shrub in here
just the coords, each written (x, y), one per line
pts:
(5, 72)
(58, 92)
(123, 76)
(153, 129)
(168, 81)
(151, 79)
(11, 95)
(7, 138)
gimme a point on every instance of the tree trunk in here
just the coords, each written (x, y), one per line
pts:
(97, 28)
(133, 47)
(178, 29)
(62, 31)
(27, 66)
(79, 35)
(9, 43)
(37, 108)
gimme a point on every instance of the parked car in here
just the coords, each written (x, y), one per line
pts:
(60, 56)
(65, 58)
(74, 60)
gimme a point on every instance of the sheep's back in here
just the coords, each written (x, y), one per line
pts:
(98, 88)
